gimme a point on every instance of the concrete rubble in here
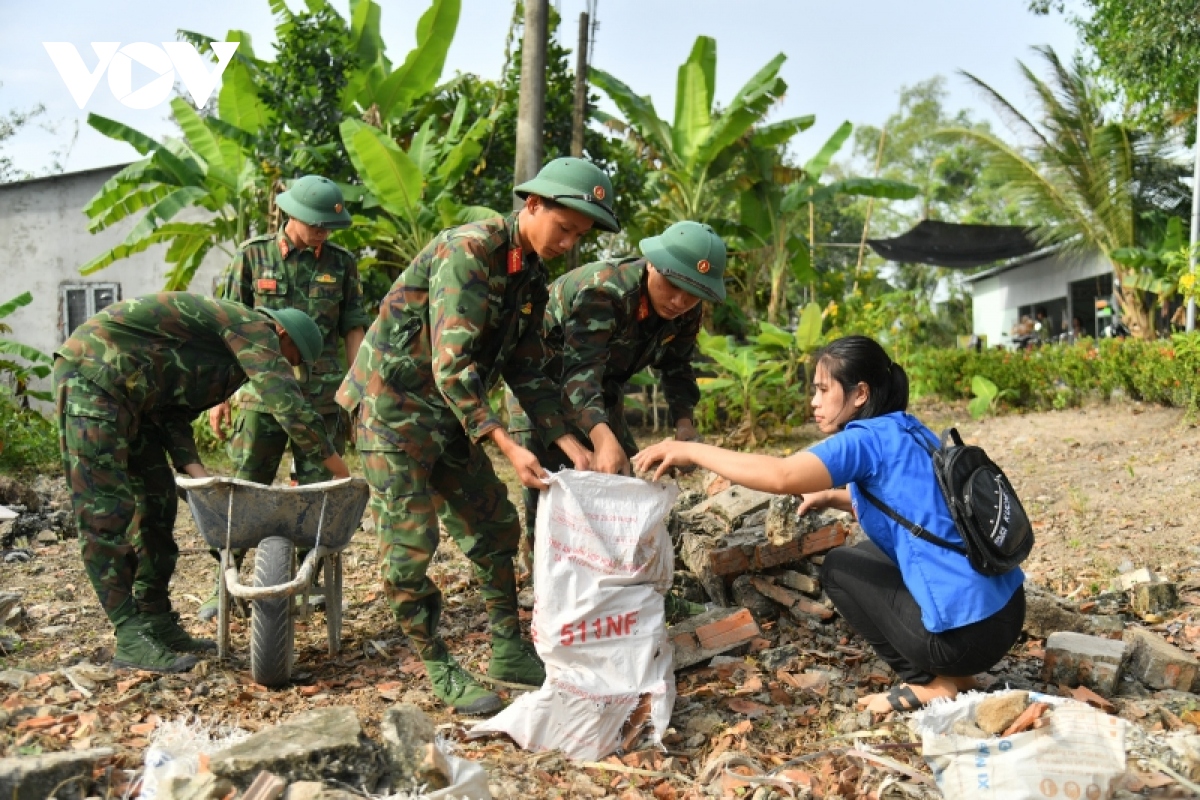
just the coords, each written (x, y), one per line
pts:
(323, 754)
(739, 532)
(752, 556)
(65, 776)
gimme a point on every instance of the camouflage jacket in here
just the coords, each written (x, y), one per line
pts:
(169, 356)
(600, 330)
(464, 314)
(270, 272)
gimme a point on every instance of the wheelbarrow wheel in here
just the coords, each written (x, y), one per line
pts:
(271, 633)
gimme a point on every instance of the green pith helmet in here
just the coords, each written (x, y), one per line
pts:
(691, 256)
(300, 326)
(315, 201)
(579, 185)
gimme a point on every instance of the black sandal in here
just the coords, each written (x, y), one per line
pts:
(902, 699)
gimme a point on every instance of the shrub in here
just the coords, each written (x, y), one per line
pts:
(1166, 371)
(28, 440)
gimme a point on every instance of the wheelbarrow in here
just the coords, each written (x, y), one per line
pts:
(234, 514)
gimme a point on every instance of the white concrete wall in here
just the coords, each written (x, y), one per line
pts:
(995, 299)
(45, 236)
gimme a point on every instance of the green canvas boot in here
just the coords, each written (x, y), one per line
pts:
(166, 629)
(457, 689)
(515, 660)
(138, 648)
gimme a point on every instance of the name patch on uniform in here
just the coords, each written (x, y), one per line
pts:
(267, 284)
(514, 261)
(326, 279)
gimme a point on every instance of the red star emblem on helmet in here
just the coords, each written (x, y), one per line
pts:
(337, 208)
(702, 266)
(598, 192)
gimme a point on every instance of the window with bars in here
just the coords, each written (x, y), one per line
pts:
(82, 300)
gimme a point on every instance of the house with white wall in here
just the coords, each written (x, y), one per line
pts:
(46, 241)
(1066, 285)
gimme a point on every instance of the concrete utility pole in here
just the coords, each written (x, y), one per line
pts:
(579, 112)
(579, 115)
(1191, 306)
(531, 109)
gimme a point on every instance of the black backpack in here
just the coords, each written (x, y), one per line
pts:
(983, 504)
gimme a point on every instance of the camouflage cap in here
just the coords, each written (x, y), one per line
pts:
(300, 327)
(691, 256)
(315, 201)
(579, 185)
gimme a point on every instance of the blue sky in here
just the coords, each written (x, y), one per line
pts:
(847, 59)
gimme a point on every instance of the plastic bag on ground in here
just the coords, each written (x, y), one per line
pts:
(1079, 753)
(602, 564)
(468, 780)
(175, 750)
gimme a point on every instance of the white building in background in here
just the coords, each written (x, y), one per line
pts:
(45, 233)
(1066, 286)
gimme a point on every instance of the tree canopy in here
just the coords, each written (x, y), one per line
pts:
(1147, 50)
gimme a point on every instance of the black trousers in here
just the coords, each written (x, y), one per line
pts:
(869, 593)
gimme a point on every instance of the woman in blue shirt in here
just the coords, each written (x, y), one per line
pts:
(935, 620)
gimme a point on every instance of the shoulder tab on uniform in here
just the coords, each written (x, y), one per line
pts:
(265, 237)
(339, 248)
(490, 232)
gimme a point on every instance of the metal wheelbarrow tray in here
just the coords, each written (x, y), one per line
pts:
(233, 514)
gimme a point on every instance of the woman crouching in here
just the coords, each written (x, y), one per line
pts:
(935, 620)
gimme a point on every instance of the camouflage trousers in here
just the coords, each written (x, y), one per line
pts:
(122, 493)
(458, 486)
(259, 442)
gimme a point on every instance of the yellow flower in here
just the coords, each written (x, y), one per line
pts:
(1187, 281)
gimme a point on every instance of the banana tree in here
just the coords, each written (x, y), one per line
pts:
(215, 171)
(793, 349)
(411, 189)
(773, 198)
(376, 88)
(693, 154)
(20, 374)
(743, 375)
(212, 172)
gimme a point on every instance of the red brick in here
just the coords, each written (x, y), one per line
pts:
(784, 597)
(737, 559)
(688, 640)
(739, 627)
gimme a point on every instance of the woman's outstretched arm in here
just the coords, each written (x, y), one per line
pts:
(798, 474)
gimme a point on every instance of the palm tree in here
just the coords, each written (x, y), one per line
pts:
(1078, 173)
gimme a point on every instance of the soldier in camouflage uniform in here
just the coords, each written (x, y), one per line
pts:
(606, 322)
(295, 268)
(129, 382)
(464, 314)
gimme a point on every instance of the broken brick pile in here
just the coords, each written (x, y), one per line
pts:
(753, 558)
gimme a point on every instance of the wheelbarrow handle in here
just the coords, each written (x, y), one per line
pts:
(301, 581)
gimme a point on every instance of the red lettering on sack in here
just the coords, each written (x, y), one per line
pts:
(601, 628)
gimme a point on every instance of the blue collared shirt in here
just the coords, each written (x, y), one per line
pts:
(882, 455)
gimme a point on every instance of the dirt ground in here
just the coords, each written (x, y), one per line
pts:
(1111, 488)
